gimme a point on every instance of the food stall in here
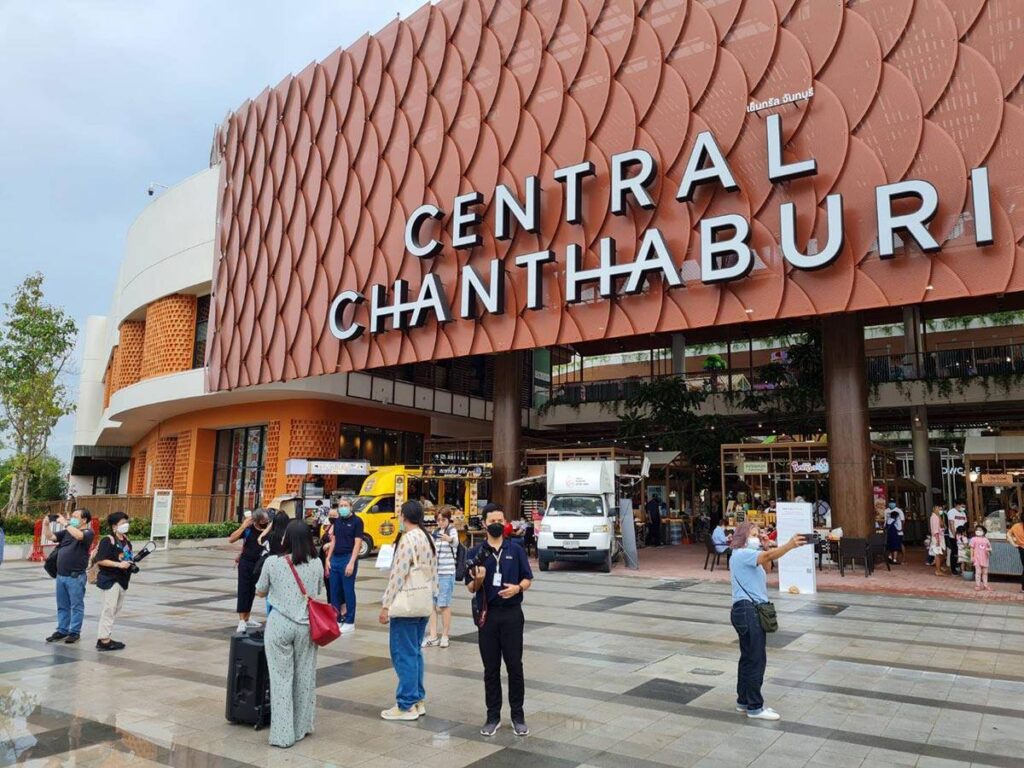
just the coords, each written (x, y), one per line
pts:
(995, 490)
(317, 478)
(781, 469)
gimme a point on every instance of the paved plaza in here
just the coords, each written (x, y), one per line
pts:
(621, 671)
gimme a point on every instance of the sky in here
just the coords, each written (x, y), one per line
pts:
(102, 98)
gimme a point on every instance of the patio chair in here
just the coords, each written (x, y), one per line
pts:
(714, 556)
(851, 549)
(876, 550)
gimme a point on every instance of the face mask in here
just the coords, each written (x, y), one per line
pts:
(123, 528)
(892, 505)
(74, 522)
(345, 511)
(401, 525)
(494, 530)
(753, 542)
(979, 533)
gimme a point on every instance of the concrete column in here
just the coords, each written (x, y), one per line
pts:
(846, 414)
(922, 457)
(913, 337)
(678, 354)
(507, 430)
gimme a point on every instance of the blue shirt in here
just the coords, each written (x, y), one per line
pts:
(746, 574)
(514, 564)
(719, 539)
(347, 531)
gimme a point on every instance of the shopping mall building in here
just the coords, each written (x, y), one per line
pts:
(489, 220)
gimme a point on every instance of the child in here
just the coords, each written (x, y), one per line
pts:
(980, 549)
(963, 549)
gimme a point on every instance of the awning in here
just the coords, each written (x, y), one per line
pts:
(531, 480)
(661, 458)
(994, 445)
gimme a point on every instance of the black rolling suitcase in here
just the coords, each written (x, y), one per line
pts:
(248, 682)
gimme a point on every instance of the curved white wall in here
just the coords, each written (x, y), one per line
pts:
(169, 248)
(90, 380)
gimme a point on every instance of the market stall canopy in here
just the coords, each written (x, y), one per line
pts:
(661, 458)
(995, 445)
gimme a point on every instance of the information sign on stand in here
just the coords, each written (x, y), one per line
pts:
(796, 569)
(160, 525)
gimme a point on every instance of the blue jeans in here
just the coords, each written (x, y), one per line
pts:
(343, 588)
(753, 656)
(70, 604)
(407, 658)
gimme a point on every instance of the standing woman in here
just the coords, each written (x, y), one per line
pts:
(446, 543)
(113, 560)
(342, 558)
(249, 534)
(291, 654)
(750, 588)
(937, 548)
(414, 547)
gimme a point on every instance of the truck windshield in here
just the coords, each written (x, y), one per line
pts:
(576, 506)
(359, 503)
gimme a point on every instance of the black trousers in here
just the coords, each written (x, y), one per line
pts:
(954, 561)
(753, 655)
(1020, 551)
(501, 637)
(246, 586)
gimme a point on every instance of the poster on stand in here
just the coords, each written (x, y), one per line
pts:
(796, 569)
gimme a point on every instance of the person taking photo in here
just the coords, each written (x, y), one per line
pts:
(252, 550)
(114, 560)
(500, 575)
(73, 545)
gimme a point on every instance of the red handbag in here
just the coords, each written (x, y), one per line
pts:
(323, 619)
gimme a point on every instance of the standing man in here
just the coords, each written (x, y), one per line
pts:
(73, 544)
(342, 560)
(956, 517)
(497, 587)
(653, 509)
(1016, 537)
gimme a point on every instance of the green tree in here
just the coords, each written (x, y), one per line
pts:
(36, 341)
(47, 479)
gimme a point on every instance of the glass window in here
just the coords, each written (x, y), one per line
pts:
(238, 467)
(199, 340)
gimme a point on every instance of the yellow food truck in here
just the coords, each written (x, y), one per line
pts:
(387, 488)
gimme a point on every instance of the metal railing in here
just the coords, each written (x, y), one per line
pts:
(998, 360)
(185, 507)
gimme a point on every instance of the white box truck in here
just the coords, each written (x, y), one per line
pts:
(579, 520)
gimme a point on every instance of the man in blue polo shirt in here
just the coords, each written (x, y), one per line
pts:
(342, 560)
(498, 586)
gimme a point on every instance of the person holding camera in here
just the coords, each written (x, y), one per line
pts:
(499, 575)
(73, 545)
(253, 524)
(115, 565)
(750, 590)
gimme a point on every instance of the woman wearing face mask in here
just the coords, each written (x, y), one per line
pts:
(937, 548)
(291, 654)
(113, 560)
(342, 560)
(750, 587)
(414, 547)
(249, 534)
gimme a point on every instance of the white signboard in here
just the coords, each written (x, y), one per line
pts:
(160, 526)
(755, 468)
(796, 568)
(325, 467)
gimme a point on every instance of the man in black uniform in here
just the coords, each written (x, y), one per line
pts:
(498, 586)
(653, 509)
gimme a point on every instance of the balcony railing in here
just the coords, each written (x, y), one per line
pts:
(1007, 359)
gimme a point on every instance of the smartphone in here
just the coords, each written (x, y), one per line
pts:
(248, 513)
(52, 518)
(811, 538)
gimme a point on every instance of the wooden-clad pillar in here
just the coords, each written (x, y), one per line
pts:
(507, 429)
(846, 413)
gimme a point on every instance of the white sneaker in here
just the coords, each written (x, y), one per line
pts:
(253, 624)
(400, 714)
(242, 627)
(444, 642)
(765, 714)
(741, 708)
(430, 642)
(421, 708)
(348, 629)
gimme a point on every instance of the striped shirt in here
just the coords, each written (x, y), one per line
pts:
(446, 551)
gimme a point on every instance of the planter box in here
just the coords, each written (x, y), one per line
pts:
(14, 552)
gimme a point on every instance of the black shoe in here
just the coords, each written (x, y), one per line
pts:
(490, 728)
(71, 639)
(520, 728)
(56, 637)
(111, 645)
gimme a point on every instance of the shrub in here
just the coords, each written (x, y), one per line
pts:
(201, 530)
(18, 524)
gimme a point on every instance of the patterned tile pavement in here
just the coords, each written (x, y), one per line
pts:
(621, 671)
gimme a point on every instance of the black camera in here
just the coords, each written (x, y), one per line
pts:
(480, 559)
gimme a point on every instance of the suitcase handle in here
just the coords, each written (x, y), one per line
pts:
(238, 680)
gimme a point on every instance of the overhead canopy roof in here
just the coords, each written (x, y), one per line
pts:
(994, 445)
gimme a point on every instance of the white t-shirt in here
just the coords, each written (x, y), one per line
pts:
(956, 517)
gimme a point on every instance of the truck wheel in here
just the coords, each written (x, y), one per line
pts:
(365, 547)
(606, 566)
(543, 564)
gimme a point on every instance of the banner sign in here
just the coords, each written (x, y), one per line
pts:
(754, 468)
(797, 574)
(160, 524)
(457, 471)
(325, 467)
